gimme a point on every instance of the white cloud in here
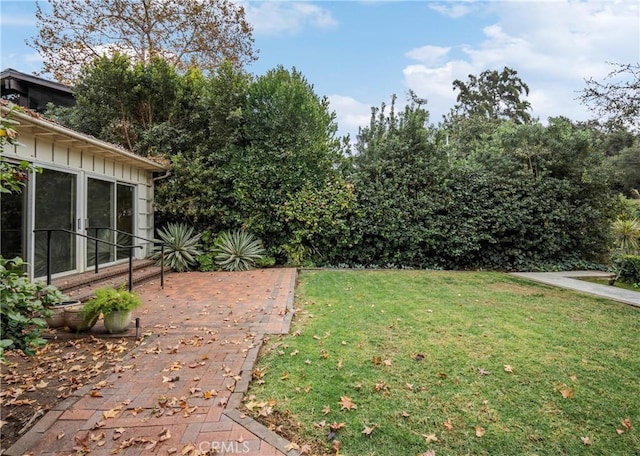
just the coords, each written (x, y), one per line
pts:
(350, 113)
(269, 18)
(454, 11)
(428, 54)
(554, 46)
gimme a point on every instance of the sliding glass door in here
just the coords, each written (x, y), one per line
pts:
(55, 208)
(110, 207)
(100, 210)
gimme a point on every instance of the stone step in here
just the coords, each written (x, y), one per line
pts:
(81, 287)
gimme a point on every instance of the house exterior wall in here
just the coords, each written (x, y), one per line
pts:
(85, 160)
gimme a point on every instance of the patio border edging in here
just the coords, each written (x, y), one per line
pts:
(232, 408)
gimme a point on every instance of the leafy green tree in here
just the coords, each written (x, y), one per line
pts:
(287, 141)
(616, 99)
(201, 185)
(187, 33)
(397, 173)
(493, 95)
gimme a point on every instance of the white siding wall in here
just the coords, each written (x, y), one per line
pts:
(68, 156)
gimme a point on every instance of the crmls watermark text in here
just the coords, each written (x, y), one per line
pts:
(215, 447)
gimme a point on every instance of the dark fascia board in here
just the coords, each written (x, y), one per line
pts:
(10, 73)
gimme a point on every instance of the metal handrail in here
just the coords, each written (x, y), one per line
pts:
(63, 230)
(154, 241)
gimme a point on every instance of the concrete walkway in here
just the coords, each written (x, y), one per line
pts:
(179, 392)
(570, 281)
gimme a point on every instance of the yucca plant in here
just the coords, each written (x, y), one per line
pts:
(627, 234)
(238, 250)
(182, 246)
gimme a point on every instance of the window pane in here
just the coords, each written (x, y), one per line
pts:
(100, 215)
(55, 207)
(124, 219)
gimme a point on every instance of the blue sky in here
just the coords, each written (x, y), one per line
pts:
(359, 53)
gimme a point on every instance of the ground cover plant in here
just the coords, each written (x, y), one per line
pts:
(416, 362)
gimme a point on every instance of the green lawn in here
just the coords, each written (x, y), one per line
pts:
(424, 357)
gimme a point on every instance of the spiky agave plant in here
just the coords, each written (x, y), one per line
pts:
(182, 246)
(238, 250)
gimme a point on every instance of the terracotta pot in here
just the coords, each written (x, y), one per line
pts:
(117, 322)
(56, 320)
(76, 321)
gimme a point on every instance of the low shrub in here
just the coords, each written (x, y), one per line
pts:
(628, 267)
(23, 306)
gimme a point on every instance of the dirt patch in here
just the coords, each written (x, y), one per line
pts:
(31, 386)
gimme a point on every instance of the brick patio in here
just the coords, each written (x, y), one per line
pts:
(203, 332)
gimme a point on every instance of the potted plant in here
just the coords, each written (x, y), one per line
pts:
(77, 319)
(115, 305)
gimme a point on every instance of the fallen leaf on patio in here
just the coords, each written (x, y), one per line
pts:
(59, 436)
(95, 393)
(188, 448)
(99, 424)
(210, 394)
(292, 446)
(164, 435)
(430, 438)
(172, 450)
(42, 384)
(326, 410)
(170, 379)
(346, 403)
(117, 433)
(110, 413)
(96, 437)
(508, 368)
(586, 440)
(368, 430)
(480, 431)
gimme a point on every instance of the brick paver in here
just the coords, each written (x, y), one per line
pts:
(183, 384)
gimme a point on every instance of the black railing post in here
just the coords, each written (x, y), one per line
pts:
(48, 257)
(95, 255)
(131, 267)
(162, 265)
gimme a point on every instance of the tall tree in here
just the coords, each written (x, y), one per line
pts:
(616, 99)
(121, 103)
(200, 33)
(288, 140)
(494, 95)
